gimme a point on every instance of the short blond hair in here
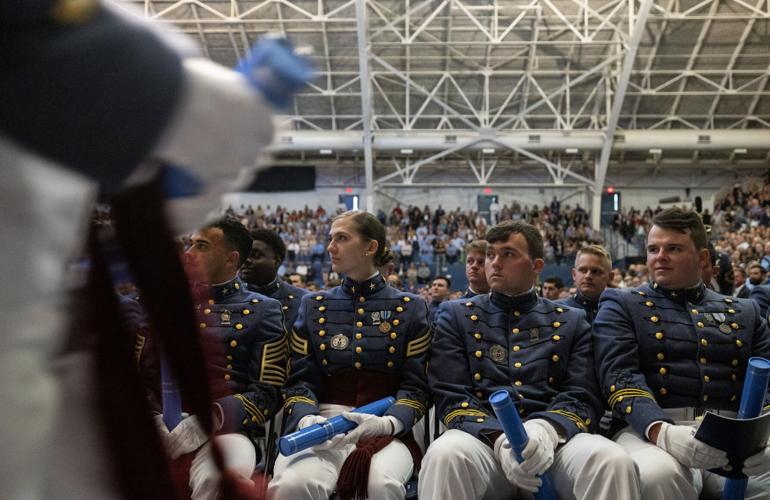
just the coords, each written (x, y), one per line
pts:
(477, 246)
(597, 250)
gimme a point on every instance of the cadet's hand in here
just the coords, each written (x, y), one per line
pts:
(758, 463)
(538, 454)
(309, 420)
(679, 441)
(334, 442)
(186, 437)
(512, 469)
(368, 426)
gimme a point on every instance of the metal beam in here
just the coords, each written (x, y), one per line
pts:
(617, 104)
(366, 102)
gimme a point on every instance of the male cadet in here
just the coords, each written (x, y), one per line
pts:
(552, 287)
(260, 273)
(245, 342)
(475, 253)
(670, 349)
(540, 353)
(592, 272)
(440, 290)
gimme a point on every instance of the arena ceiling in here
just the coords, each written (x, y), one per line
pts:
(575, 86)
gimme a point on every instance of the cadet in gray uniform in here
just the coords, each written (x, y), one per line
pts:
(541, 353)
(669, 350)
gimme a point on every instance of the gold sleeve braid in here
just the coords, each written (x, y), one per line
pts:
(255, 415)
(418, 345)
(298, 344)
(579, 422)
(139, 347)
(274, 362)
(465, 412)
(628, 393)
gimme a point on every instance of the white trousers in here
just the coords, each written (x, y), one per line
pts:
(590, 467)
(239, 456)
(663, 477)
(313, 474)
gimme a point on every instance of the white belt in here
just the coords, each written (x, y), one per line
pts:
(690, 414)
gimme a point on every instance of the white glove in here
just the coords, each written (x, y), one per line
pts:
(512, 469)
(186, 437)
(368, 426)
(680, 442)
(543, 440)
(758, 463)
(329, 444)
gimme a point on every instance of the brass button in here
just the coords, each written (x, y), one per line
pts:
(733, 398)
(556, 324)
(391, 349)
(700, 324)
(202, 325)
(518, 383)
(478, 354)
(362, 299)
(515, 330)
(479, 394)
(516, 348)
(359, 336)
(477, 336)
(359, 324)
(739, 343)
(694, 311)
(480, 419)
(663, 391)
(464, 404)
(649, 303)
(321, 333)
(391, 364)
(705, 397)
(322, 321)
(556, 338)
(551, 380)
(357, 364)
(227, 376)
(322, 308)
(659, 335)
(319, 297)
(703, 360)
(612, 388)
(253, 419)
(654, 319)
(393, 335)
(662, 371)
(469, 304)
(290, 296)
(704, 342)
(359, 349)
(517, 364)
(474, 317)
(555, 358)
(516, 313)
(731, 311)
(628, 409)
(255, 301)
(734, 362)
(207, 311)
(229, 367)
(324, 362)
(734, 377)
(239, 326)
(398, 309)
(322, 347)
(360, 310)
(476, 376)
(660, 356)
(706, 378)
(233, 343)
(229, 358)
(734, 325)
(559, 309)
(284, 308)
(246, 312)
(396, 322)
(211, 302)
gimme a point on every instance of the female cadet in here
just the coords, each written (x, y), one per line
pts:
(351, 345)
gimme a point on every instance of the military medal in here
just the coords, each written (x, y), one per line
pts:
(709, 317)
(225, 317)
(340, 342)
(376, 318)
(725, 328)
(719, 317)
(497, 353)
(384, 327)
(534, 334)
